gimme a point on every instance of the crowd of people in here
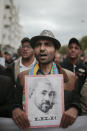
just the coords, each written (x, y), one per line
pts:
(39, 56)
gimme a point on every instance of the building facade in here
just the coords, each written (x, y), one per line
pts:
(11, 31)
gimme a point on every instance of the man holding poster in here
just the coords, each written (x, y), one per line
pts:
(45, 46)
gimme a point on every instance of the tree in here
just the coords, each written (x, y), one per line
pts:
(63, 49)
(83, 43)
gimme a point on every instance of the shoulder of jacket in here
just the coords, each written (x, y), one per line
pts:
(17, 60)
(69, 78)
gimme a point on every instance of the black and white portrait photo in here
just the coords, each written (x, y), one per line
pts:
(43, 95)
(44, 100)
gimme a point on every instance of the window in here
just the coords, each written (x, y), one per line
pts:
(7, 7)
(6, 26)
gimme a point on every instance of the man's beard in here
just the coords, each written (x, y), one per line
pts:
(45, 106)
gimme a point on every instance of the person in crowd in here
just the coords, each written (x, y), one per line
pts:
(1, 53)
(15, 56)
(82, 57)
(58, 58)
(73, 63)
(85, 59)
(8, 57)
(6, 94)
(85, 62)
(83, 98)
(45, 46)
(2, 70)
(2, 59)
(25, 62)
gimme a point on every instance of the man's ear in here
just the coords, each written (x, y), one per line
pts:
(56, 51)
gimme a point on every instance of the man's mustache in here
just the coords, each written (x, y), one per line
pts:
(46, 102)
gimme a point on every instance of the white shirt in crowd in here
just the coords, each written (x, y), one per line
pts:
(24, 68)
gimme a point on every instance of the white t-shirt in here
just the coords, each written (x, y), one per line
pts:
(24, 68)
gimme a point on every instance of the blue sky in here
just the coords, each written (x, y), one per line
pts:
(65, 18)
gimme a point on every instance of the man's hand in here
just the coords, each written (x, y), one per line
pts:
(69, 117)
(20, 118)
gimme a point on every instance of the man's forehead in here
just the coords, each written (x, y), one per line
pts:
(26, 43)
(44, 40)
(49, 91)
(44, 86)
(74, 44)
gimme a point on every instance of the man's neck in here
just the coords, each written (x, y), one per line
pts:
(27, 62)
(73, 61)
(46, 67)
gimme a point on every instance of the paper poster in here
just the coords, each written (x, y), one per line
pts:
(44, 100)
